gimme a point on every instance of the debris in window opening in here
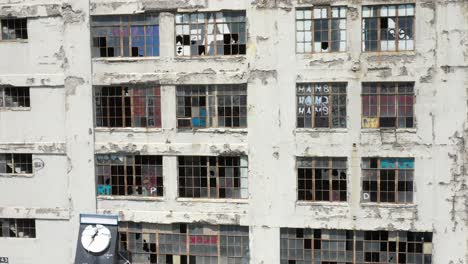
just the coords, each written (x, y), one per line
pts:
(208, 34)
(354, 246)
(388, 27)
(125, 35)
(128, 106)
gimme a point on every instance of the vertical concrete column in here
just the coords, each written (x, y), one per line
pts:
(168, 107)
(78, 113)
(264, 244)
(170, 177)
(354, 28)
(167, 35)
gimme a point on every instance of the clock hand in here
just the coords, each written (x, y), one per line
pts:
(95, 234)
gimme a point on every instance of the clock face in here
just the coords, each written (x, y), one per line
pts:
(95, 238)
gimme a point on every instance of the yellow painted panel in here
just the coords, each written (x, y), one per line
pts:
(370, 122)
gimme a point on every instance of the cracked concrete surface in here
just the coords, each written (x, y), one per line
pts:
(55, 62)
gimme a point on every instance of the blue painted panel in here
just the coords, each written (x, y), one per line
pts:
(388, 163)
(104, 190)
(196, 122)
(406, 163)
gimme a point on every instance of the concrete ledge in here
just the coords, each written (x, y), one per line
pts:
(26, 9)
(32, 80)
(166, 217)
(172, 149)
(34, 148)
(36, 213)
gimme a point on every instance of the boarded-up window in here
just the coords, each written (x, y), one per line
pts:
(213, 177)
(145, 243)
(213, 33)
(388, 105)
(15, 164)
(14, 97)
(321, 179)
(304, 245)
(139, 175)
(387, 180)
(16, 227)
(125, 36)
(321, 29)
(202, 106)
(13, 28)
(388, 27)
(321, 105)
(128, 106)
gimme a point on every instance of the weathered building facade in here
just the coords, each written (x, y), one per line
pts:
(253, 131)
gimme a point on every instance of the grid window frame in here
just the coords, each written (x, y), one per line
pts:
(212, 177)
(134, 106)
(16, 164)
(13, 29)
(188, 243)
(378, 101)
(136, 35)
(17, 228)
(377, 182)
(379, 13)
(314, 186)
(211, 106)
(15, 97)
(332, 21)
(318, 104)
(129, 175)
(306, 245)
(203, 27)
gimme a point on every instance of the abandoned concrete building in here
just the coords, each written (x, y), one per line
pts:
(234, 131)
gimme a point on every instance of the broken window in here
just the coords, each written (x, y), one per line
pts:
(14, 28)
(201, 106)
(138, 175)
(125, 35)
(388, 27)
(387, 180)
(321, 105)
(208, 34)
(16, 227)
(128, 106)
(321, 29)
(14, 97)
(145, 243)
(14, 164)
(388, 105)
(213, 177)
(327, 246)
(321, 179)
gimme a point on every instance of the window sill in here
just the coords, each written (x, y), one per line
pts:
(406, 52)
(387, 205)
(332, 55)
(214, 130)
(14, 41)
(207, 57)
(18, 238)
(127, 129)
(389, 130)
(125, 59)
(322, 203)
(129, 198)
(212, 200)
(318, 130)
(15, 108)
(20, 175)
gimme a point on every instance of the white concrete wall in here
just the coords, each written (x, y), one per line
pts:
(271, 68)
